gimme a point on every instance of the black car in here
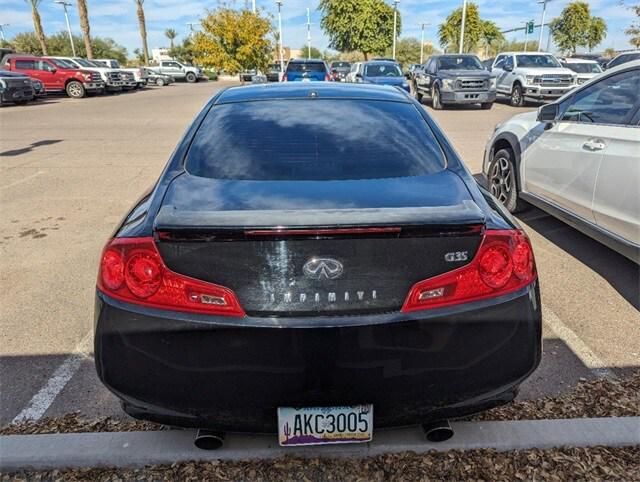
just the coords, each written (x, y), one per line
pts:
(353, 270)
(339, 70)
(273, 73)
(15, 88)
(455, 79)
(38, 88)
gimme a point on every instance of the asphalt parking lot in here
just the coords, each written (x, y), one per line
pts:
(69, 169)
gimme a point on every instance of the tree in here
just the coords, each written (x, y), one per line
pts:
(449, 31)
(58, 44)
(183, 53)
(577, 28)
(634, 29)
(83, 13)
(609, 53)
(315, 53)
(171, 34)
(363, 25)
(37, 25)
(143, 30)
(491, 35)
(408, 51)
(233, 40)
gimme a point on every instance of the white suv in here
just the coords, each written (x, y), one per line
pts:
(578, 159)
(531, 75)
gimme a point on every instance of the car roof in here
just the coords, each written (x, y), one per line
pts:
(305, 90)
(296, 61)
(392, 62)
(525, 53)
(9, 73)
(20, 56)
(576, 60)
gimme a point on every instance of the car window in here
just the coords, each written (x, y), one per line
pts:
(583, 67)
(25, 64)
(431, 67)
(170, 64)
(500, 62)
(610, 101)
(63, 64)
(383, 70)
(621, 59)
(300, 140)
(508, 61)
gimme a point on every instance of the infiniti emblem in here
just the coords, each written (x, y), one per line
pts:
(319, 268)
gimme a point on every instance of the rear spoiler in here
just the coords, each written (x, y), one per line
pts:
(171, 219)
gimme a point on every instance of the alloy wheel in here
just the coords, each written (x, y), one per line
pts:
(501, 180)
(75, 89)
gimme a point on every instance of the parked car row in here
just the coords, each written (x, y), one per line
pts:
(26, 77)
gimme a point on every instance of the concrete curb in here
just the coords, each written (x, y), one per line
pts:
(137, 449)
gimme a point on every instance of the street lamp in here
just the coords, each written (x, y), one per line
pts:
(422, 26)
(66, 16)
(395, 25)
(464, 18)
(279, 4)
(544, 10)
(308, 34)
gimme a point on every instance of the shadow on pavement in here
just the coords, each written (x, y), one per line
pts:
(29, 148)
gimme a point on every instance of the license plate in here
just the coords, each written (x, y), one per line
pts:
(325, 425)
(306, 79)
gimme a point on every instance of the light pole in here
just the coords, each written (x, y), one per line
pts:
(544, 11)
(308, 34)
(395, 25)
(422, 26)
(2, 26)
(253, 6)
(66, 16)
(279, 4)
(464, 18)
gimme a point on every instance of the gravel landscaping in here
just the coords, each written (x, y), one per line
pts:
(597, 463)
(596, 398)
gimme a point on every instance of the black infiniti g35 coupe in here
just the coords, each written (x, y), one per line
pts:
(290, 273)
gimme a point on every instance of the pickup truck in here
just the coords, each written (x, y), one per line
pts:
(139, 74)
(112, 78)
(531, 75)
(15, 87)
(178, 70)
(455, 79)
(56, 76)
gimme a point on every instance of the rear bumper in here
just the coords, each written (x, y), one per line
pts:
(232, 374)
(546, 92)
(468, 97)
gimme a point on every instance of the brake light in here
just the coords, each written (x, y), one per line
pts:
(132, 270)
(504, 263)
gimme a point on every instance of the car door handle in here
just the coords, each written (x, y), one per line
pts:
(594, 145)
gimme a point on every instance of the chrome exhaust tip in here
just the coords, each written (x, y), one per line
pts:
(438, 431)
(208, 439)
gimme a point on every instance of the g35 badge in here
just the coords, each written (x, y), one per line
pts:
(456, 256)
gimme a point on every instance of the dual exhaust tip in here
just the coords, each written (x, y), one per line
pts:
(437, 431)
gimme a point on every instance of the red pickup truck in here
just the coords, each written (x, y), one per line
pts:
(55, 75)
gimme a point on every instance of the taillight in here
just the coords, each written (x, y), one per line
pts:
(132, 270)
(504, 263)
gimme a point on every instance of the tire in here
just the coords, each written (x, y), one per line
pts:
(516, 99)
(191, 77)
(486, 105)
(75, 90)
(416, 94)
(436, 103)
(501, 180)
(21, 102)
(160, 82)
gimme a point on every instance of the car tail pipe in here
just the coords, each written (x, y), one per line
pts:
(438, 430)
(208, 439)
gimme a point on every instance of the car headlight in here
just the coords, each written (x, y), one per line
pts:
(492, 83)
(405, 85)
(86, 77)
(531, 79)
(3, 84)
(447, 84)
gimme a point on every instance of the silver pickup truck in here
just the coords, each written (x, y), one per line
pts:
(178, 70)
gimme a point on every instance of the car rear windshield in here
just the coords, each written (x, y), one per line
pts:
(306, 67)
(301, 139)
(382, 70)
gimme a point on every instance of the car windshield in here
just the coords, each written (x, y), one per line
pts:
(583, 67)
(85, 63)
(300, 140)
(460, 62)
(538, 61)
(383, 70)
(63, 64)
(306, 67)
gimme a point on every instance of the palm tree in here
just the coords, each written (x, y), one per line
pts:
(171, 34)
(37, 24)
(143, 31)
(84, 25)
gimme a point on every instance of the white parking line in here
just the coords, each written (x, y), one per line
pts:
(578, 347)
(20, 181)
(42, 400)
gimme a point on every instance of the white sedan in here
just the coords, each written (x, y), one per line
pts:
(577, 159)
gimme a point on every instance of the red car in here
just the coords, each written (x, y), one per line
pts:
(56, 75)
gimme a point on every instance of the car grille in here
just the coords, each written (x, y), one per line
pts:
(114, 76)
(127, 76)
(471, 84)
(95, 77)
(554, 80)
(17, 82)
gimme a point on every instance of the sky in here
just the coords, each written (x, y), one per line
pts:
(117, 18)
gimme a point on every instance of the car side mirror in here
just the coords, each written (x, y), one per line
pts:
(508, 68)
(359, 77)
(53, 70)
(548, 113)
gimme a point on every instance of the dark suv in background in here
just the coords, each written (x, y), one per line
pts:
(305, 70)
(455, 79)
(339, 70)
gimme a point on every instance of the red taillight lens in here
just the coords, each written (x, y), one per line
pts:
(132, 270)
(504, 263)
